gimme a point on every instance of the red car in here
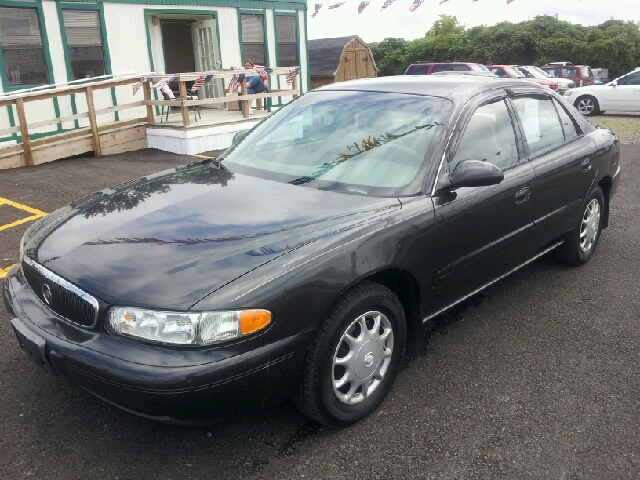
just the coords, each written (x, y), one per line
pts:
(508, 71)
(581, 75)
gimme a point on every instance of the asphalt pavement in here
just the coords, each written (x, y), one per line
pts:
(537, 377)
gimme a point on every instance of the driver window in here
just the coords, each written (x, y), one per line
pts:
(489, 137)
(631, 79)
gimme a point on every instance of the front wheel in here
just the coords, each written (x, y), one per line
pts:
(354, 357)
(583, 239)
(588, 105)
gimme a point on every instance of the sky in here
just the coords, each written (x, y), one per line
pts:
(373, 25)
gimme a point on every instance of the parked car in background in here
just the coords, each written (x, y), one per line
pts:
(581, 75)
(531, 71)
(301, 261)
(621, 94)
(508, 71)
(471, 73)
(427, 68)
(601, 74)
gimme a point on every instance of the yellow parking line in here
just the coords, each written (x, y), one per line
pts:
(4, 271)
(26, 208)
(20, 222)
(203, 156)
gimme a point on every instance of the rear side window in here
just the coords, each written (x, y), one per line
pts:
(489, 136)
(460, 68)
(417, 70)
(568, 125)
(586, 72)
(540, 121)
(498, 71)
(441, 67)
(554, 72)
(569, 72)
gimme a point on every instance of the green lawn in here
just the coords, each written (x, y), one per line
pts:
(620, 127)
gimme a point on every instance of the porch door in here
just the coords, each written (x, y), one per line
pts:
(205, 40)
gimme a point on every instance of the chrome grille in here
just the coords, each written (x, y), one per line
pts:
(65, 299)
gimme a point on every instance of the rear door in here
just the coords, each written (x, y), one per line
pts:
(624, 96)
(483, 232)
(561, 158)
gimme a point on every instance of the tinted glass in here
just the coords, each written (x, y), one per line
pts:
(418, 70)
(539, 119)
(569, 72)
(631, 79)
(568, 125)
(554, 72)
(489, 136)
(368, 143)
(440, 67)
(460, 68)
(498, 71)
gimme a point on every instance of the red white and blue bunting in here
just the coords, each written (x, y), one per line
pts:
(386, 4)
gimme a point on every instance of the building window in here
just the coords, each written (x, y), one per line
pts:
(21, 45)
(287, 41)
(253, 38)
(84, 43)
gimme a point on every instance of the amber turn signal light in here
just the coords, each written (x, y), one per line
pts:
(253, 320)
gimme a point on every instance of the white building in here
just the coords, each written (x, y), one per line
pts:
(46, 42)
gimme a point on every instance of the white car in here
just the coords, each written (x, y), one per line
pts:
(621, 94)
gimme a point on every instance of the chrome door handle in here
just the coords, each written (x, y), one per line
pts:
(586, 165)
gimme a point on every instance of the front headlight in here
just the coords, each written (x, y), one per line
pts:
(186, 328)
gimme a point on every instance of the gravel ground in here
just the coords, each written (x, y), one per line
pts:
(538, 377)
(626, 126)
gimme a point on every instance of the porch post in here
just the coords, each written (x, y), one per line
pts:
(95, 137)
(146, 89)
(24, 132)
(184, 108)
(245, 103)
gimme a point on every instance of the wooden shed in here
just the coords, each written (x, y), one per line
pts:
(339, 59)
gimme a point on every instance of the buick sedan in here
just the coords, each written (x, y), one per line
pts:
(305, 260)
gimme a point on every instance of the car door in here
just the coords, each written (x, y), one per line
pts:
(561, 158)
(482, 232)
(624, 96)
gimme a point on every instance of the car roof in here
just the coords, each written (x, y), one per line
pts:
(448, 86)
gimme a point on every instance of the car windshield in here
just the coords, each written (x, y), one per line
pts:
(538, 72)
(478, 67)
(367, 143)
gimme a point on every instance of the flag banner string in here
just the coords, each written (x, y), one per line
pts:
(386, 4)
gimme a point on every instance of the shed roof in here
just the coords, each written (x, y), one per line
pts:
(324, 54)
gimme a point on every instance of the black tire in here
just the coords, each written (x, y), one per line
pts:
(315, 396)
(573, 251)
(587, 105)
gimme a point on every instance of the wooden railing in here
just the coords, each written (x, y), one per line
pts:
(94, 137)
(246, 99)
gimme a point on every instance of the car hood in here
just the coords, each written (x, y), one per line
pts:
(167, 240)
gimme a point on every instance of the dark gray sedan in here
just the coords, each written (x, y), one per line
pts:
(307, 258)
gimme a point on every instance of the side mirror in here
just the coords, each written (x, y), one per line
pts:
(614, 83)
(475, 173)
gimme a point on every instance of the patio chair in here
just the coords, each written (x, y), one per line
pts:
(168, 94)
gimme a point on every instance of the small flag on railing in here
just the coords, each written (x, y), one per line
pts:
(235, 82)
(292, 75)
(386, 4)
(336, 5)
(201, 82)
(362, 6)
(164, 81)
(137, 86)
(317, 9)
(416, 3)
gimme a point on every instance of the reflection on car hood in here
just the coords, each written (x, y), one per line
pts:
(167, 240)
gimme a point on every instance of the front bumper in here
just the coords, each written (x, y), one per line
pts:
(187, 387)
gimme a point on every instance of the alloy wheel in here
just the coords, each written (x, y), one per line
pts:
(586, 106)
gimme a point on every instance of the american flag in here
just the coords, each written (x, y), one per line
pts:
(235, 82)
(416, 3)
(362, 6)
(386, 4)
(336, 5)
(509, 1)
(201, 82)
(164, 81)
(138, 85)
(318, 7)
(292, 75)
(442, 1)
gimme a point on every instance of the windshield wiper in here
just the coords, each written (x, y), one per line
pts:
(301, 180)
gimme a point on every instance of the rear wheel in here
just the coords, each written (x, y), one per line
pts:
(587, 105)
(582, 240)
(354, 357)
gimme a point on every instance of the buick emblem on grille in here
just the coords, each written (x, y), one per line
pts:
(46, 294)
